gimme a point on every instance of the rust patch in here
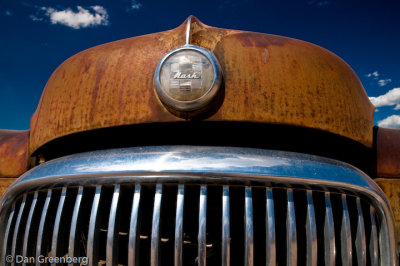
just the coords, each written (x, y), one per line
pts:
(388, 152)
(391, 187)
(249, 39)
(13, 153)
(5, 183)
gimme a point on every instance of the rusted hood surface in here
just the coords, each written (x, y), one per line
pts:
(388, 152)
(267, 79)
(13, 153)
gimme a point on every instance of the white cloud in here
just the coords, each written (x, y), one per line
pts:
(392, 121)
(384, 82)
(135, 5)
(392, 97)
(35, 18)
(374, 74)
(81, 18)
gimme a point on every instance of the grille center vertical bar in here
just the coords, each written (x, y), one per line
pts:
(346, 234)
(311, 232)
(291, 237)
(179, 226)
(72, 245)
(92, 242)
(329, 232)
(113, 227)
(249, 238)
(42, 224)
(270, 229)
(155, 231)
(202, 226)
(55, 240)
(132, 257)
(226, 248)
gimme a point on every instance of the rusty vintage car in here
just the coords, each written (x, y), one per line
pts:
(202, 145)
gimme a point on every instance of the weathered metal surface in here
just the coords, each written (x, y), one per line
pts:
(13, 152)
(5, 183)
(392, 192)
(268, 79)
(388, 152)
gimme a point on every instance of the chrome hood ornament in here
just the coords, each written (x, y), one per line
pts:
(187, 78)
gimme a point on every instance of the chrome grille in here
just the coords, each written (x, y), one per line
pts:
(269, 211)
(261, 225)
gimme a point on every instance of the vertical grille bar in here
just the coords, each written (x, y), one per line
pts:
(201, 239)
(249, 238)
(92, 242)
(179, 226)
(291, 238)
(133, 227)
(57, 223)
(73, 245)
(155, 230)
(112, 237)
(329, 232)
(41, 225)
(360, 236)
(6, 235)
(16, 228)
(311, 232)
(226, 247)
(373, 244)
(345, 233)
(270, 229)
(28, 226)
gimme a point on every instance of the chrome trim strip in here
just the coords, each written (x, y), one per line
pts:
(329, 232)
(6, 235)
(220, 165)
(373, 244)
(112, 232)
(201, 238)
(155, 230)
(219, 161)
(72, 246)
(311, 232)
(41, 225)
(226, 231)
(92, 240)
(56, 227)
(249, 237)
(345, 234)
(291, 237)
(360, 236)
(179, 226)
(132, 258)
(270, 229)
(188, 28)
(28, 226)
(16, 228)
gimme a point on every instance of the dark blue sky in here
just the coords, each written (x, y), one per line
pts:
(37, 36)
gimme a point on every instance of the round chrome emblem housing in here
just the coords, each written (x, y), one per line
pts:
(187, 78)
